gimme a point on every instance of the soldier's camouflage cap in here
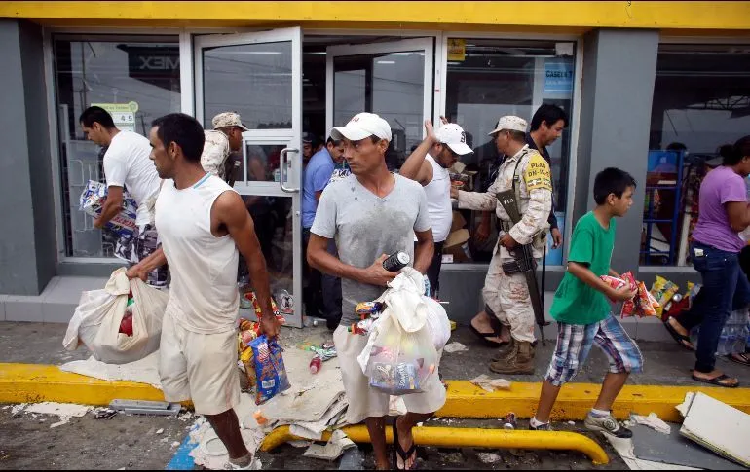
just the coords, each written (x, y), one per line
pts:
(228, 119)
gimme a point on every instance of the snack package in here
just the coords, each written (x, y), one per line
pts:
(646, 301)
(663, 290)
(614, 282)
(92, 200)
(246, 357)
(270, 373)
(629, 307)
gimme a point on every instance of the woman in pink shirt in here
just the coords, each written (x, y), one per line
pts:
(723, 213)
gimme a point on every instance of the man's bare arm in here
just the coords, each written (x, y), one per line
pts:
(424, 251)
(112, 206)
(229, 210)
(319, 258)
(150, 263)
(415, 167)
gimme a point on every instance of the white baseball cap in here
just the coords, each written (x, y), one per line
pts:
(454, 137)
(362, 126)
(511, 123)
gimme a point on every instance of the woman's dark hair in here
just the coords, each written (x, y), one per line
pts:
(550, 114)
(735, 153)
(99, 115)
(611, 181)
(184, 130)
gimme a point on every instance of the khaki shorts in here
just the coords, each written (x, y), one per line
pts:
(367, 402)
(199, 367)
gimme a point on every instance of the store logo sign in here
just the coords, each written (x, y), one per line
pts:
(158, 63)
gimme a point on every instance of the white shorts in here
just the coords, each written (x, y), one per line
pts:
(367, 402)
(199, 367)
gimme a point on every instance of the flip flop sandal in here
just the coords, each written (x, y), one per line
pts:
(744, 356)
(718, 381)
(679, 338)
(485, 337)
(398, 451)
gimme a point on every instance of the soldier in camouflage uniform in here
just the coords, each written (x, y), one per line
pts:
(221, 141)
(507, 295)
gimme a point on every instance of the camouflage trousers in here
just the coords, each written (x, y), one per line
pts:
(133, 249)
(507, 297)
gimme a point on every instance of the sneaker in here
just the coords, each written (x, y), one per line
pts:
(608, 425)
(541, 427)
(252, 464)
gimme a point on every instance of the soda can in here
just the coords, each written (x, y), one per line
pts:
(510, 421)
(396, 261)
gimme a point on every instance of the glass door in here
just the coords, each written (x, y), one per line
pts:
(259, 76)
(393, 79)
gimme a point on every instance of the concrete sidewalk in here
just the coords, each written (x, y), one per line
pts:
(665, 363)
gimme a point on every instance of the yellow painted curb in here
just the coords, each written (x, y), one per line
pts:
(32, 383)
(467, 437)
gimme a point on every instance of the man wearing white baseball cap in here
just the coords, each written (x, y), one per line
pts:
(371, 214)
(506, 293)
(447, 145)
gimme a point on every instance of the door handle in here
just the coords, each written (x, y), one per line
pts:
(283, 164)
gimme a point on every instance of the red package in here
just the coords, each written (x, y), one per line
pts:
(645, 304)
(630, 307)
(126, 325)
(614, 282)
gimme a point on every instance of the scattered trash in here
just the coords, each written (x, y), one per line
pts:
(104, 413)
(175, 444)
(335, 446)
(654, 422)
(64, 411)
(716, 426)
(488, 458)
(572, 423)
(17, 409)
(142, 407)
(489, 384)
(160, 430)
(300, 444)
(455, 347)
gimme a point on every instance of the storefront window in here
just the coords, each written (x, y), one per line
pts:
(701, 102)
(137, 80)
(488, 79)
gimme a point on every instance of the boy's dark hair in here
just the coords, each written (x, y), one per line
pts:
(739, 150)
(184, 130)
(549, 114)
(99, 115)
(611, 181)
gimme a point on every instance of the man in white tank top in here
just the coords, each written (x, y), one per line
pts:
(203, 223)
(429, 165)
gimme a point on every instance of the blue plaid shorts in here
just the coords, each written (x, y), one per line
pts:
(574, 343)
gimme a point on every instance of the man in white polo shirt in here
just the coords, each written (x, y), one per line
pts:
(447, 145)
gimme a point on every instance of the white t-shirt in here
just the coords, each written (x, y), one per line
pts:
(126, 164)
(439, 201)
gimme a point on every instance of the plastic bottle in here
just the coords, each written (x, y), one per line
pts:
(315, 364)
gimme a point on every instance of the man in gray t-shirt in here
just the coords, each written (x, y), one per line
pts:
(372, 214)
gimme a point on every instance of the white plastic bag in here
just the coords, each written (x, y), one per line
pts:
(400, 355)
(96, 321)
(438, 323)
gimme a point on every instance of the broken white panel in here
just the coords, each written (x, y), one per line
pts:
(333, 448)
(624, 448)
(145, 370)
(718, 427)
(64, 411)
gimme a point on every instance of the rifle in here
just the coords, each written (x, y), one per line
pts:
(523, 260)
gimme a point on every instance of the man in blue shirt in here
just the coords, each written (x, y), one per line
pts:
(322, 295)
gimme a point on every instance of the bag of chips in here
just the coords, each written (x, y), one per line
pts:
(614, 282)
(92, 201)
(270, 373)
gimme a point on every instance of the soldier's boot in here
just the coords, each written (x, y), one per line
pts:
(504, 351)
(519, 362)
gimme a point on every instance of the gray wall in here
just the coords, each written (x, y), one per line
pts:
(27, 246)
(619, 71)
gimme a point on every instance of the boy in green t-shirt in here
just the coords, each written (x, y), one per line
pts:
(583, 314)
